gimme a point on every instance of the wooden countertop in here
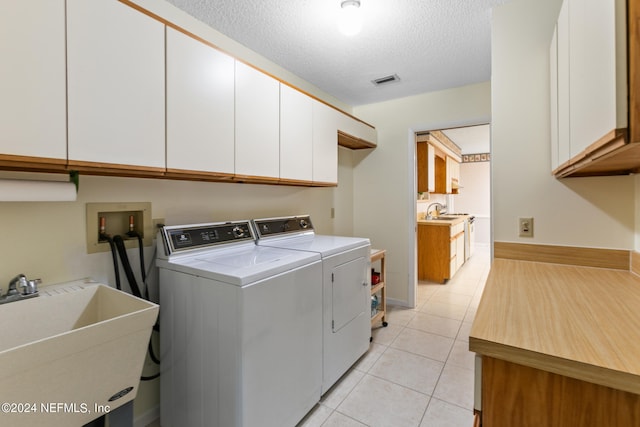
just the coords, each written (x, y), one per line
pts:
(580, 322)
(457, 220)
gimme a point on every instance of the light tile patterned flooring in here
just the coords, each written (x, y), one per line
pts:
(418, 371)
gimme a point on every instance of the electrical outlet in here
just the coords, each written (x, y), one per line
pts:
(525, 227)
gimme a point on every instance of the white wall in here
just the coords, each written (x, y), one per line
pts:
(591, 212)
(384, 179)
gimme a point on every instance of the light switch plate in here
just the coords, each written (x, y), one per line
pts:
(525, 227)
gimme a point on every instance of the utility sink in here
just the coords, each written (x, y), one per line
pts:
(72, 354)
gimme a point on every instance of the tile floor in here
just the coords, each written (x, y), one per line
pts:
(418, 372)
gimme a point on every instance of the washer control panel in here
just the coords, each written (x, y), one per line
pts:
(198, 236)
(282, 226)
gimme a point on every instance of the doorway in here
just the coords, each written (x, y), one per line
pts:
(473, 193)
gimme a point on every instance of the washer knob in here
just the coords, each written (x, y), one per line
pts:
(304, 223)
(238, 231)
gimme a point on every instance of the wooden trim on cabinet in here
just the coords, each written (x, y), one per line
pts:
(97, 168)
(353, 142)
(444, 140)
(256, 179)
(610, 155)
(324, 184)
(192, 175)
(32, 164)
(303, 183)
(570, 255)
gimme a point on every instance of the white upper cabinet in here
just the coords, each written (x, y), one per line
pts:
(116, 85)
(296, 135)
(589, 91)
(32, 88)
(325, 143)
(564, 136)
(559, 81)
(257, 124)
(200, 106)
(593, 77)
(553, 98)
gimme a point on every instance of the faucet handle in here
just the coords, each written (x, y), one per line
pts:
(30, 286)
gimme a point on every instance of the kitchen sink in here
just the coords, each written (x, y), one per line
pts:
(444, 218)
(72, 354)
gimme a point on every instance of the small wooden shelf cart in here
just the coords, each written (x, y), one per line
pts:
(379, 255)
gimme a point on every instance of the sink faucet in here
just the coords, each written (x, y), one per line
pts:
(439, 208)
(28, 289)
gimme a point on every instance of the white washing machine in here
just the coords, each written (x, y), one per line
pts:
(240, 329)
(346, 288)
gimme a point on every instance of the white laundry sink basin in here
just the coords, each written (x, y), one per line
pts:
(64, 354)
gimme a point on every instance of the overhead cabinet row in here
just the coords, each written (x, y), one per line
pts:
(145, 98)
(594, 76)
(438, 164)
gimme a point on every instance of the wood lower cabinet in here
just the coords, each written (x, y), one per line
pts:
(440, 251)
(517, 395)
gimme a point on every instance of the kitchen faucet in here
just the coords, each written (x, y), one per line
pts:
(439, 208)
(29, 289)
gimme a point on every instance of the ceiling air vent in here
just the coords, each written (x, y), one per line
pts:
(386, 80)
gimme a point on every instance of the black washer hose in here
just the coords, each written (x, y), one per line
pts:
(119, 242)
(115, 259)
(142, 266)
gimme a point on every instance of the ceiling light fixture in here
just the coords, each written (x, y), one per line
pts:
(350, 21)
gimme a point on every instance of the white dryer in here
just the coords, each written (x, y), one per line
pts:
(346, 288)
(240, 329)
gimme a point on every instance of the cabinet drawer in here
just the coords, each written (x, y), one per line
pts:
(457, 229)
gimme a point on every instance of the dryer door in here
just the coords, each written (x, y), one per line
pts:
(349, 292)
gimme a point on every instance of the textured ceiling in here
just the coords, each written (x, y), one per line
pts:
(430, 44)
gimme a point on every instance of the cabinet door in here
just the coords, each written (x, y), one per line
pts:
(564, 152)
(115, 58)
(460, 255)
(553, 98)
(296, 135)
(592, 71)
(257, 123)
(426, 168)
(33, 84)
(453, 168)
(200, 103)
(325, 143)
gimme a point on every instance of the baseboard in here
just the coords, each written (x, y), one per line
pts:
(571, 255)
(147, 418)
(635, 262)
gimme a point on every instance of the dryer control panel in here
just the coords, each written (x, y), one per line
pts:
(198, 236)
(281, 226)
